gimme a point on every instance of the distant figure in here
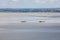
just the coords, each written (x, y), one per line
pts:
(23, 21)
(41, 21)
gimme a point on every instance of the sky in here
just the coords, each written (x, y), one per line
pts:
(29, 3)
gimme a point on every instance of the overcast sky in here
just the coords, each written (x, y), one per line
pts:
(29, 3)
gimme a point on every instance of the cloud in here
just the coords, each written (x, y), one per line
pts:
(40, 1)
(14, 0)
(29, 3)
(45, 1)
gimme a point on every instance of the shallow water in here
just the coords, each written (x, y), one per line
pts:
(30, 31)
(12, 29)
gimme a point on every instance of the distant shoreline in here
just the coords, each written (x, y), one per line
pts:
(29, 9)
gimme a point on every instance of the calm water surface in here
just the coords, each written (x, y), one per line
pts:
(30, 31)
